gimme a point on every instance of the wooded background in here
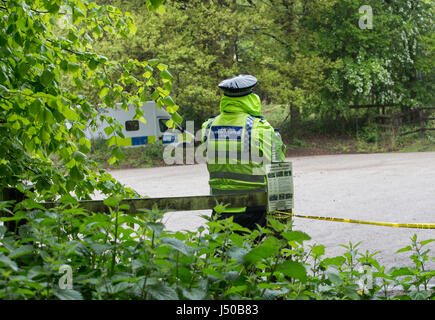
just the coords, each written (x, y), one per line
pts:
(311, 57)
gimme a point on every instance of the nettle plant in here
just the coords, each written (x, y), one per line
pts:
(122, 256)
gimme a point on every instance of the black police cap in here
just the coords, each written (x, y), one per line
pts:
(238, 86)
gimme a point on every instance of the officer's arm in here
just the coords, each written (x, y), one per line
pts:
(281, 149)
(203, 129)
(267, 138)
(262, 140)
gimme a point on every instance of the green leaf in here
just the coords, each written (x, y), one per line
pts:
(118, 153)
(108, 130)
(67, 294)
(72, 36)
(93, 64)
(237, 253)
(155, 95)
(47, 78)
(47, 116)
(425, 242)
(100, 248)
(177, 245)
(8, 262)
(156, 3)
(112, 160)
(30, 204)
(79, 156)
(172, 109)
(318, 250)
(420, 295)
(236, 289)
(219, 208)
(170, 124)
(75, 174)
(111, 202)
(132, 28)
(334, 276)
(73, 67)
(35, 271)
(297, 236)
(213, 273)
(268, 248)
(122, 286)
(275, 224)
(408, 248)
(111, 141)
(53, 7)
(35, 107)
(153, 62)
(22, 250)
(293, 269)
(103, 92)
(23, 68)
(165, 75)
(162, 67)
(161, 291)
(193, 294)
(3, 90)
(177, 118)
(404, 271)
(64, 65)
(156, 227)
(168, 101)
(335, 261)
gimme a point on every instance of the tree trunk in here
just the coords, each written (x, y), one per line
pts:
(9, 194)
(294, 119)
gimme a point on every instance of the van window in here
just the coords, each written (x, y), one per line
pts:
(132, 125)
(162, 125)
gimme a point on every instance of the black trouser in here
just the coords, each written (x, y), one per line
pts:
(248, 219)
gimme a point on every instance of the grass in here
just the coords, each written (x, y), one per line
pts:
(420, 145)
(346, 144)
(135, 157)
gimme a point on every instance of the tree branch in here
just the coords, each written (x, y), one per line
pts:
(45, 12)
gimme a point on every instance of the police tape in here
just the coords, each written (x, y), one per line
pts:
(281, 214)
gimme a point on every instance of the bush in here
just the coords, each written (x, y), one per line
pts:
(120, 256)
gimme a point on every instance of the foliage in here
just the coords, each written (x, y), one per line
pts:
(53, 76)
(379, 65)
(43, 44)
(198, 39)
(120, 256)
(311, 56)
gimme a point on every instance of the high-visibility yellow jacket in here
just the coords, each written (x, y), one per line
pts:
(239, 142)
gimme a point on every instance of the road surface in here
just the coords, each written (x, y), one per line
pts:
(397, 187)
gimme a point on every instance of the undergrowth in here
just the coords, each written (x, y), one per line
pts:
(121, 256)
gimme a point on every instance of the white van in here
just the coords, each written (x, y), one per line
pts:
(137, 133)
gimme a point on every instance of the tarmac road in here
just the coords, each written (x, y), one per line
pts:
(392, 187)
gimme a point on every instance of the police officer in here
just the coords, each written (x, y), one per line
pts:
(239, 142)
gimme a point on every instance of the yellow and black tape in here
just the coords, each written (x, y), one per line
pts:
(288, 215)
